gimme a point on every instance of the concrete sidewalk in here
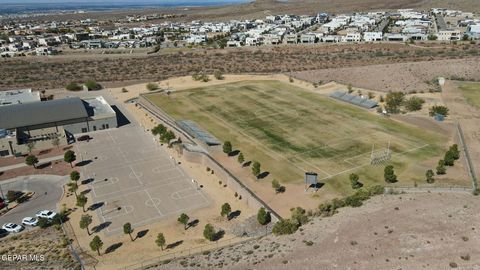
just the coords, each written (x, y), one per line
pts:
(20, 165)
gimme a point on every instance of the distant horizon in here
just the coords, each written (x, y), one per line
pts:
(116, 2)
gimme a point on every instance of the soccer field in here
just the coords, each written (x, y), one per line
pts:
(290, 131)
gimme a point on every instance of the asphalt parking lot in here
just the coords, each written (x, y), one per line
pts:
(48, 191)
(133, 179)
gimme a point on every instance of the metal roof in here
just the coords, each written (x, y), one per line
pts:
(36, 113)
(355, 100)
(193, 130)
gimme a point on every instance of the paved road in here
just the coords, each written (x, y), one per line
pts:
(48, 191)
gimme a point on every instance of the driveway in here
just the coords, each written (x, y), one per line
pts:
(48, 191)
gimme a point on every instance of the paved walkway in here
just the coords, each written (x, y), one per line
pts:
(20, 165)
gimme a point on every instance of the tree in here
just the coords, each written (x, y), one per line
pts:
(160, 240)
(167, 136)
(183, 219)
(389, 174)
(75, 176)
(218, 75)
(256, 168)
(263, 217)
(152, 86)
(455, 151)
(96, 244)
(209, 232)
(284, 226)
(85, 221)
(73, 86)
(441, 167)
(56, 142)
(354, 181)
(43, 223)
(159, 130)
(438, 109)
(226, 210)
(275, 184)
(429, 175)
(413, 104)
(349, 88)
(393, 101)
(73, 187)
(298, 216)
(31, 160)
(69, 157)
(449, 159)
(127, 229)
(227, 147)
(81, 201)
(31, 146)
(241, 158)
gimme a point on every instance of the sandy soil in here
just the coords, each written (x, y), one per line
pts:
(406, 231)
(405, 77)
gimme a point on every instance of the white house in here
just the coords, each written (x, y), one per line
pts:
(352, 37)
(372, 36)
(447, 35)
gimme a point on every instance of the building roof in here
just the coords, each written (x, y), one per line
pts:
(18, 96)
(35, 113)
(98, 107)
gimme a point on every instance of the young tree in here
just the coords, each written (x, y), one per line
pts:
(152, 86)
(438, 109)
(160, 240)
(227, 147)
(256, 168)
(455, 151)
(449, 159)
(69, 157)
(56, 142)
(85, 221)
(393, 101)
(82, 201)
(209, 232)
(31, 146)
(429, 175)
(275, 185)
(349, 88)
(75, 176)
(31, 160)
(226, 210)
(263, 217)
(354, 181)
(96, 244)
(241, 158)
(127, 229)
(183, 219)
(441, 167)
(389, 174)
(73, 187)
(413, 104)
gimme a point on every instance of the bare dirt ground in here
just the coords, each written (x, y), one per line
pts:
(58, 167)
(261, 8)
(406, 231)
(55, 72)
(406, 77)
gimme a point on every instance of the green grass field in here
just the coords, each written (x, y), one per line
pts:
(291, 131)
(471, 91)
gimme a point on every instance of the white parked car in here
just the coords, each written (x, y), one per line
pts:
(46, 214)
(12, 227)
(30, 221)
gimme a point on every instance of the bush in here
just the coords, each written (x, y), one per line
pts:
(92, 85)
(13, 195)
(389, 174)
(442, 110)
(263, 217)
(73, 86)
(284, 226)
(218, 75)
(43, 223)
(413, 104)
(152, 86)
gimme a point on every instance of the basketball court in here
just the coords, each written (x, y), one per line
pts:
(134, 179)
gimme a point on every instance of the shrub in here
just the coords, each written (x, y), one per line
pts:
(218, 75)
(284, 226)
(263, 217)
(73, 86)
(152, 86)
(389, 174)
(413, 104)
(438, 109)
(92, 85)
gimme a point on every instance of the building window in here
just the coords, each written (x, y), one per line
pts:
(94, 128)
(4, 153)
(84, 130)
(103, 126)
(107, 125)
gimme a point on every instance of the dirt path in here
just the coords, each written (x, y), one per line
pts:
(468, 118)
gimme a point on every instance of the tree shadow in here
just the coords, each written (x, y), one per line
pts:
(174, 245)
(113, 247)
(262, 175)
(192, 223)
(86, 191)
(234, 153)
(246, 164)
(95, 206)
(87, 181)
(234, 214)
(219, 235)
(43, 152)
(141, 234)
(67, 148)
(101, 226)
(83, 163)
(44, 165)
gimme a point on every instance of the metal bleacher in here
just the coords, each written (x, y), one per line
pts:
(195, 131)
(355, 100)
